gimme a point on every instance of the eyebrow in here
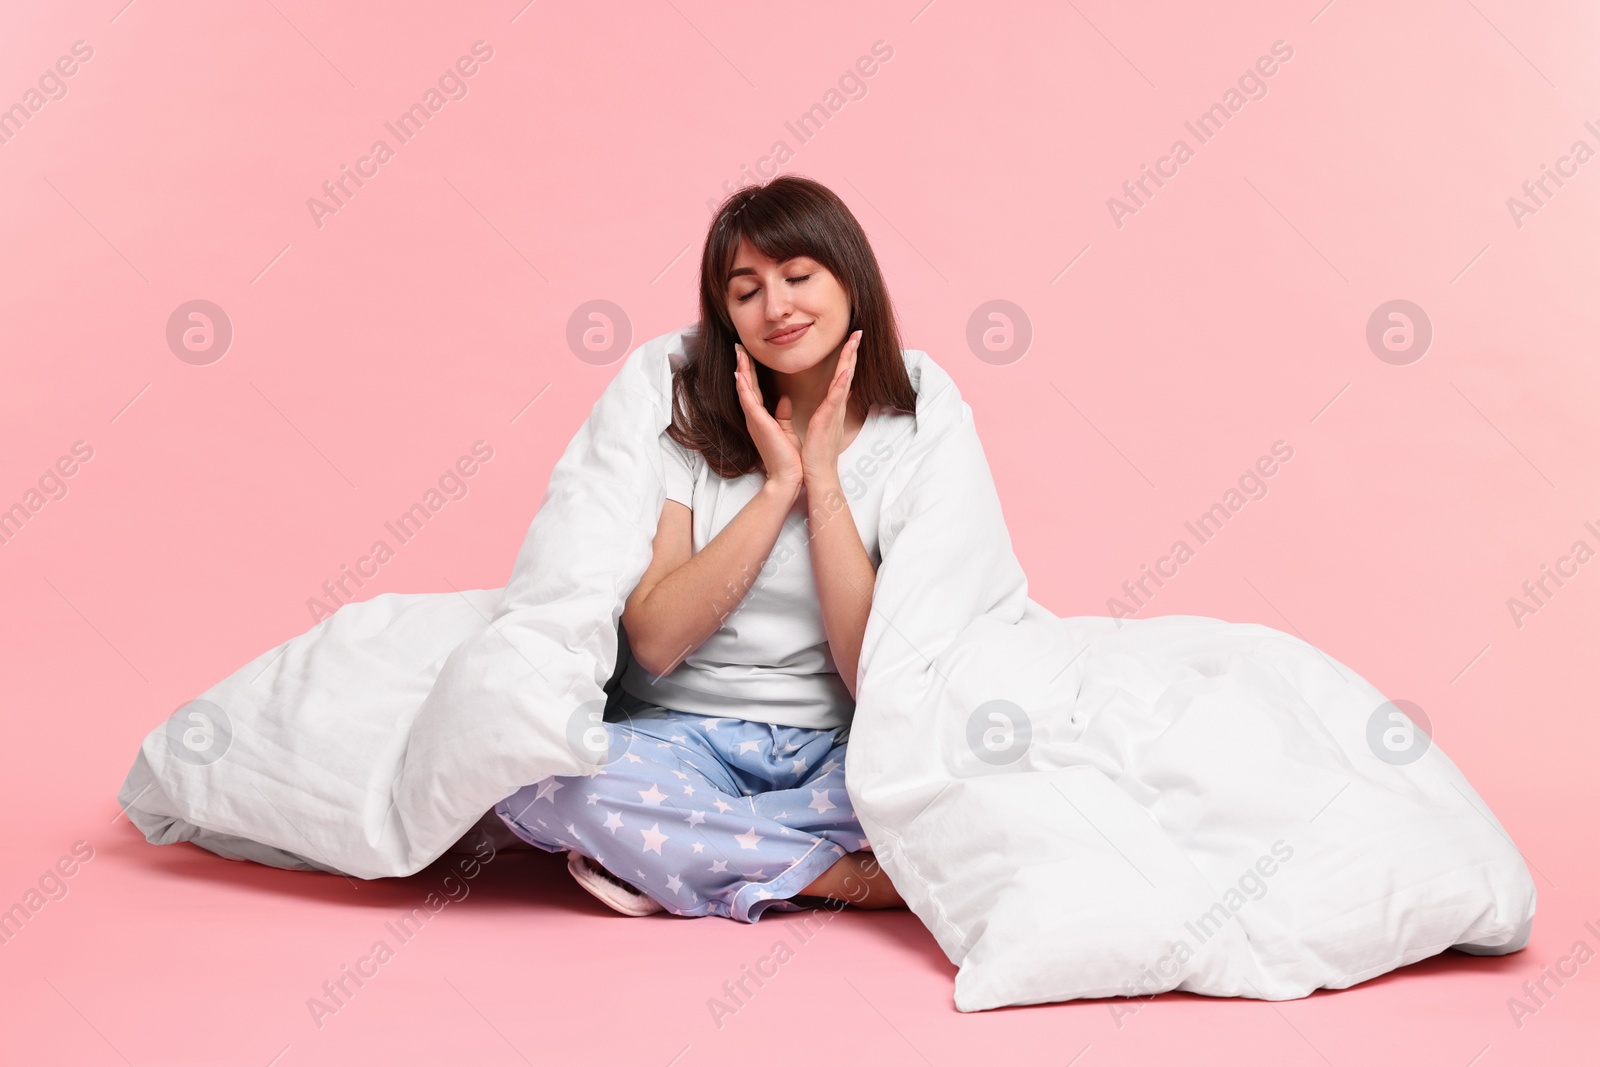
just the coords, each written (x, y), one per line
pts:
(740, 271)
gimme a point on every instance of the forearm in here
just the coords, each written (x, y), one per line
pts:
(844, 573)
(691, 603)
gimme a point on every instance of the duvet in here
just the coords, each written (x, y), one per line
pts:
(1073, 807)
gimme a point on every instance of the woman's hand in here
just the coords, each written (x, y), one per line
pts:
(819, 457)
(774, 437)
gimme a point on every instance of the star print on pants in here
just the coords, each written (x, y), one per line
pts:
(755, 781)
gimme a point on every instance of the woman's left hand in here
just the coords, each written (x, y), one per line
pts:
(819, 455)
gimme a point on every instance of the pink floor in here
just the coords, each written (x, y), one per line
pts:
(171, 956)
(1151, 348)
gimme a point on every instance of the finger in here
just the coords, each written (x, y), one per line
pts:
(742, 376)
(750, 397)
(751, 381)
(840, 386)
(847, 357)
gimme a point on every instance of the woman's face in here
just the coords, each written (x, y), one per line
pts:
(791, 315)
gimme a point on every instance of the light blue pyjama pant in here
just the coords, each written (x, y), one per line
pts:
(708, 816)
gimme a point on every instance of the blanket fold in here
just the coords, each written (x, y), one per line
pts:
(1072, 806)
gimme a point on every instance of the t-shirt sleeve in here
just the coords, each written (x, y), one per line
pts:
(679, 464)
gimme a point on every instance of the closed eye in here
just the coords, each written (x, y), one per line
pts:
(757, 289)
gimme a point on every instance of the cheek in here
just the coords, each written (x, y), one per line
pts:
(831, 297)
(749, 321)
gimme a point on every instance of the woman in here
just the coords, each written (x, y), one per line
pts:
(723, 792)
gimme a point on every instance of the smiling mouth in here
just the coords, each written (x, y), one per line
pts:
(783, 337)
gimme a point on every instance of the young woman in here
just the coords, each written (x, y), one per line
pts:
(724, 792)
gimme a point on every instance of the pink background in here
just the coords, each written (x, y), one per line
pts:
(1227, 313)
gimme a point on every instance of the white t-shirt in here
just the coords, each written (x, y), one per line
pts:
(770, 661)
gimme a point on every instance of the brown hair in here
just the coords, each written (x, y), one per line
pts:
(788, 216)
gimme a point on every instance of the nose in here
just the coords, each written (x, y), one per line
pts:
(778, 304)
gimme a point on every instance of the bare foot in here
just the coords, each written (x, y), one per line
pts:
(857, 879)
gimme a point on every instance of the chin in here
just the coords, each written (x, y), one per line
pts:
(792, 362)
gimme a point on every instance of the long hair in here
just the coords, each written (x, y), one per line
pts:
(788, 216)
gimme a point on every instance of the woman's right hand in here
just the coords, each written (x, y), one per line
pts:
(773, 434)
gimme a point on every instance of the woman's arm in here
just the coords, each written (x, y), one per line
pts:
(845, 575)
(684, 595)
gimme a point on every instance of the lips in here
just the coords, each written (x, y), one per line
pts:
(783, 337)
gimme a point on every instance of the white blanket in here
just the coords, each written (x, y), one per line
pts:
(1074, 807)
